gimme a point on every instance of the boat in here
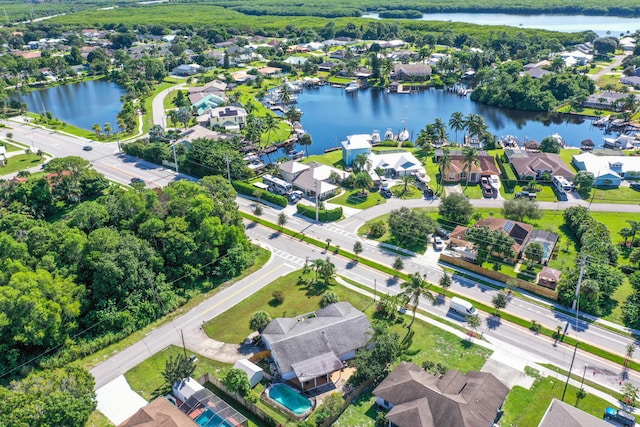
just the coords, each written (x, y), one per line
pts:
(404, 135)
(494, 181)
(388, 135)
(559, 139)
(375, 137)
(602, 121)
(352, 87)
(295, 155)
(253, 162)
(623, 142)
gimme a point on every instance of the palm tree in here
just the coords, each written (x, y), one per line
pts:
(317, 265)
(97, 129)
(363, 180)
(406, 180)
(305, 140)
(285, 94)
(626, 233)
(361, 163)
(270, 124)
(414, 289)
(107, 128)
(328, 270)
(635, 228)
(475, 124)
(444, 163)
(292, 114)
(457, 123)
(469, 160)
(440, 130)
(386, 67)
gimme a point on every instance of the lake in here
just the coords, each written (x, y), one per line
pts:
(330, 114)
(563, 23)
(80, 104)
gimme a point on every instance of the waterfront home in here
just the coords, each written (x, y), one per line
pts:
(230, 118)
(457, 172)
(308, 348)
(312, 177)
(397, 164)
(606, 100)
(411, 72)
(416, 398)
(355, 145)
(609, 171)
(529, 165)
(203, 102)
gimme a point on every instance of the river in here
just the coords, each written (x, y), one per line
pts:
(330, 114)
(615, 25)
(80, 104)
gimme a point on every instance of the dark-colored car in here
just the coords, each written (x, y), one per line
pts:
(635, 186)
(623, 417)
(525, 194)
(386, 193)
(87, 148)
(137, 180)
(441, 232)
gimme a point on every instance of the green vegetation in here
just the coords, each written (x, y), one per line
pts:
(21, 162)
(147, 118)
(146, 378)
(355, 199)
(362, 412)
(621, 195)
(332, 158)
(98, 419)
(412, 192)
(525, 408)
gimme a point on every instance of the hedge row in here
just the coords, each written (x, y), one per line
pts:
(250, 190)
(323, 215)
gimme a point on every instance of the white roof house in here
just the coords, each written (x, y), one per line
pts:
(230, 118)
(399, 164)
(185, 388)
(354, 145)
(610, 168)
(254, 372)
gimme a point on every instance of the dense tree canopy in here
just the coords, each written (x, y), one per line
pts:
(410, 226)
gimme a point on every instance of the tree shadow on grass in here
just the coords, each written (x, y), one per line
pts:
(314, 288)
(466, 343)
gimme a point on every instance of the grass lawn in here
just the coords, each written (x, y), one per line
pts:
(473, 191)
(525, 408)
(12, 147)
(355, 199)
(339, 80)
(146, 378)
(611, 79)
(621, 195)
(361, 413)
(567, 155)
(412, 192)
(21, 162)
(332, 158)
(546, 195)
(168, 100)
(98, 419)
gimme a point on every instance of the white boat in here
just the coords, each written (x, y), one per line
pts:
(375, 137)
(388, 135)
(352, 87)
(404, 135)
(623, 142)
(494, 180)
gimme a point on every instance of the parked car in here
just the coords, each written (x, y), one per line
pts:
(635, 186)
(137, 180)
(525, 194)
(386, 193)
(438, 244)
(87, 148)
(622, 417)
(442, 233)
(295, 196)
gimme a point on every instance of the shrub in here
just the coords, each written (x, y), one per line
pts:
(329, 298)
(249, 190)
(278, 296)
(377, 229)
(324, 215)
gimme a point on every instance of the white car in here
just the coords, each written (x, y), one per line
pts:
(438, 244)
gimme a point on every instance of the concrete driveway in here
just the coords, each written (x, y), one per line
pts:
(117, 401)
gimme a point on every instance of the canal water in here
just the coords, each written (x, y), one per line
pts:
(330, 114)
(601, 25)
(81, 104)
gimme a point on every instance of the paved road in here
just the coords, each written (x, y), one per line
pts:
(617, 60)
(157, 105)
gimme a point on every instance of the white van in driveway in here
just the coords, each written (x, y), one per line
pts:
(463, 307)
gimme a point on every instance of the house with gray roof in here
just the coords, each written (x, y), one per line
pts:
(528, 165)
(418, 399)
(565, 415)
(309, 348)
(404, 72)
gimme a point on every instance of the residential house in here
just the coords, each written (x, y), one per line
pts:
(548, 277)
(215, 87)
(186, 70)
(270, 71)
(327, 66)
(436, 57)
(202, 102)
(457, 171)
(319, 179)
(418, 399)
(605, 100)
(338, 54)
(411, 72)
(627, 43)
(539, 64)
(242, 76)
(537, 73)
(562, 414)
(575, 57)
(197, 132)
(630, 80)
(391, 44)
(609, 171)
(230, 118)
(27, 54)
(397, 164)
(528, 165)
(338, 41)
(307, 349)
(290, 170)
(518, 231)
(296, 60)
(355, 145)
(160, 412)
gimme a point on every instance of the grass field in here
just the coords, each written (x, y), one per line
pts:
(621, 195)
(21, 162)
(97, 419)
(525, 408)
(412, 192)
(361, 413)
(355, 199)
(332, 158)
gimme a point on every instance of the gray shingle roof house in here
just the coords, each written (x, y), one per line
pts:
(411, 72)
(561, 414)
(534, 165)
(312, 346)
(419, 399)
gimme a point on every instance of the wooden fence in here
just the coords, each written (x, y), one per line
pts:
(347, 401)
(501, 277)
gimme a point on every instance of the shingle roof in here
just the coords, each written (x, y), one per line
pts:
(159, 413)
(337, 328)
(561, 414)
(526, 163)
(456, 400)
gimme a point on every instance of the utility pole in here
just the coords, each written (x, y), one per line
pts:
(576, 301)
(175, 158)
(226, 157)
(375, 289)
(317, 200)
(184, 347)
(569, 373)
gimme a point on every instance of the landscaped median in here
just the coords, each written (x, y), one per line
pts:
(483, 307)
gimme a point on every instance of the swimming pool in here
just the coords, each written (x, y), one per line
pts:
(287, 397)
(546, 247)
(210, 418)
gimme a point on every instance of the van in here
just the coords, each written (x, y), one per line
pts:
(463, 307)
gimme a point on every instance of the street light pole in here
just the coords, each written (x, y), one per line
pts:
(569, 373)
(584, 371)
(317, 200)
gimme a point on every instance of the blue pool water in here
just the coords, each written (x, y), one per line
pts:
(547, 250)
(210, 419)
(288, 398)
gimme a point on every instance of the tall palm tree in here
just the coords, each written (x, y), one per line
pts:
(457, 123)
(440, 130)
(363, 180)
(414, 289)
(317, 265)
(270, 124)
(635, 228)
(107, 128)
(361, 163)
(285, 94)
(469, 160)
(475, 124)
(292, 114)
(444, 164)
(97, 129)
(305, 140)
(328, 270)
(406, 180)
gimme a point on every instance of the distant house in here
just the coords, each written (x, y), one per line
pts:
(270, 71)
(296, 60)
(327, 66)
(355, 145)
(457, 171)
(518, 231)
(411, 72)
(338, 54)
(230, 118)
(309, 348)
(609, 171)
(159, 413)
(562, 414)
(201, 102)
(312, 178)
(605, 100)
(537, 73)
(416, 398)
(529, 165)
(186, 70)
(197, 132)
(215, 87)
(630, 80)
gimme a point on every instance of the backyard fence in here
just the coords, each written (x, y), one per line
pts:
(501, 277)
(347, 401)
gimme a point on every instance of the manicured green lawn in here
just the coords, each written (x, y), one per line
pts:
(473, 191)
(355, 199)
(361, 413)
(412, 192)
(567, 155)
(611, 79)
(146, 378)
(545, 195)
(12, 147)
(525, 408)
(97, 419)
(21, 162)
(332, 158)
(168, 100)
(622, 195)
